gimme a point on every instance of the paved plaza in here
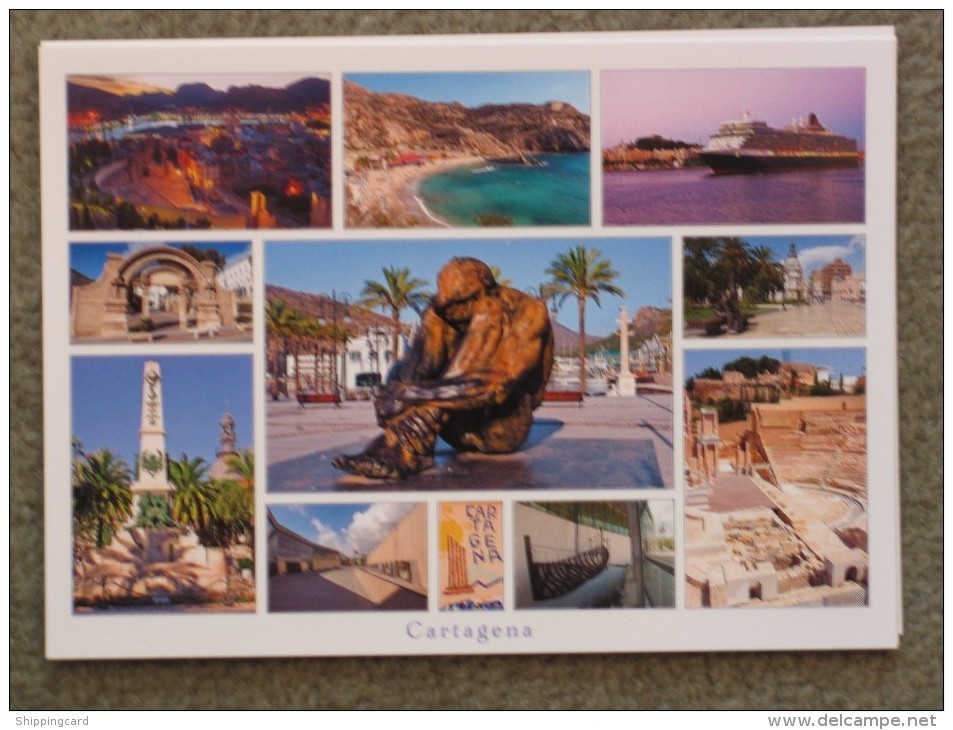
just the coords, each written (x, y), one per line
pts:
(826, 319)
(344, 589)
(608, 443)
(168, 329)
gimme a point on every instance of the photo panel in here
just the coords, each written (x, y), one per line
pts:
(199, 150)
(774, 286)
(595, 554)
(466, 149)
(503, 369)
(733, 146)
(347, 557)
(776, 477)
(167, 292)
(163, 484)
(471, 555)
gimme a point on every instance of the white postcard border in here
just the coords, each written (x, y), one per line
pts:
(70, 636)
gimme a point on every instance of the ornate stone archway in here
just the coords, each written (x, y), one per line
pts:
(101, 308)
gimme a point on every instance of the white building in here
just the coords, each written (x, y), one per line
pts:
(793, 276)
(362, 362)
(237, 275)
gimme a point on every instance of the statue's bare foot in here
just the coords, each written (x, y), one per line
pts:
(379, 467)
(366, 466)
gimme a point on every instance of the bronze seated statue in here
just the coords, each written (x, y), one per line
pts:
(475, 372)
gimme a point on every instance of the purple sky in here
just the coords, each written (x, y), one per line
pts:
(690, 104)
(172, 81)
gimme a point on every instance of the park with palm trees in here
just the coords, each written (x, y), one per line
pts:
(152, 529)
(376, 293)
(313, 338)
(773, 286)
(326, 345)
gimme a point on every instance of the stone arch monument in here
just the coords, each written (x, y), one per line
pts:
(101, 308)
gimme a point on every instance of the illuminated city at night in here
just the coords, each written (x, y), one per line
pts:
(171, 152)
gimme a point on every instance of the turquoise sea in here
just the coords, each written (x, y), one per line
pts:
(556, 194)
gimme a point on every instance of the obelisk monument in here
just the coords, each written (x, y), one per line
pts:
(151, 473)
(626, 379)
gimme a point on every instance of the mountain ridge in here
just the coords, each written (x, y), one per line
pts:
(376, 121)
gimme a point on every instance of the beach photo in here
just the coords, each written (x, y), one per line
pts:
(470, 544)
(347, 557)
(173, 151)
(160, 292)
(466, 149)
(774, 286)
(163, 484)
(595, 554)
(718, 146)
(776, 469)
(461, 364)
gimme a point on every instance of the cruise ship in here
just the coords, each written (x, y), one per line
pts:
(748, 146)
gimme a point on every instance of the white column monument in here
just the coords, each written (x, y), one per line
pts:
(151, 470)
(626, 378)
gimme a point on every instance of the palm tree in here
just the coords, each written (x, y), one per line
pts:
(233, 509)
(193, 502)
(768, 274)
(735, 262)
(582, 273)
(299, 330)
(232, 521)
(279, 322)
(698, 270)
(545, 293)
(243, 464)
(102, 498)
(498, 276)
(397, 292)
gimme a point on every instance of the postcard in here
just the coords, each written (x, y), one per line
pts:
(498, 344)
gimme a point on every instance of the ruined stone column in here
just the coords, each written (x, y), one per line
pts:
(626, 379)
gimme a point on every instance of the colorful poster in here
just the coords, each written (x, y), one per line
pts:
(471, 556)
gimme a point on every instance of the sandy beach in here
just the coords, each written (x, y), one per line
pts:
(382, 198)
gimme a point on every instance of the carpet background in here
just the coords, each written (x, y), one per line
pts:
(910, 678)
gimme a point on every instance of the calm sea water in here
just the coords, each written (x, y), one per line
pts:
(696, 196)
(555, 195)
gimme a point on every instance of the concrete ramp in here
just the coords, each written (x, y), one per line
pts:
(374, 589)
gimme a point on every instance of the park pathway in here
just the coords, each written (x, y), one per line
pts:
(827, 319)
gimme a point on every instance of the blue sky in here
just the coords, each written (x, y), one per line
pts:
(644, 266)
(815, 252)
(88, 258)
(348, 528)
(842, 361)
(196, 391)
(474, 89)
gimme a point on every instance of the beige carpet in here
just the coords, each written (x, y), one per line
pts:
(910, 678)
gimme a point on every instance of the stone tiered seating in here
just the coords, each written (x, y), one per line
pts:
(819, 442)
(801, 466)
(856, 443)
(851, 469)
